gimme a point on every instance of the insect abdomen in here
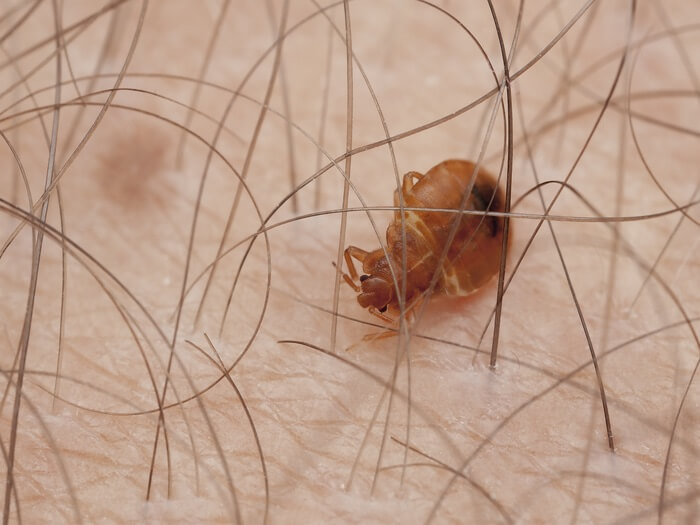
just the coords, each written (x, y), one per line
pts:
(474, 252)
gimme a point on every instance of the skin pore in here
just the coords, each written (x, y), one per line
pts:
(171, 370)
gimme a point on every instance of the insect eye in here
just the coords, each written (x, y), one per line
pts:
(363, 278)
(382, 309)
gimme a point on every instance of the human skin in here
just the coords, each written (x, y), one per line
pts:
(275, 409)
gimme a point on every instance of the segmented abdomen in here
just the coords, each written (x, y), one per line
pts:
(474, 253)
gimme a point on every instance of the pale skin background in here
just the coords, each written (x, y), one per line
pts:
(525, 442)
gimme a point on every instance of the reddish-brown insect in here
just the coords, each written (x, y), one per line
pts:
(472, 258)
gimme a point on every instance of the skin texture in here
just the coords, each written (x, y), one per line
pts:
(138, 395)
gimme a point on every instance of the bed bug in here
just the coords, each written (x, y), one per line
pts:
(472, 258)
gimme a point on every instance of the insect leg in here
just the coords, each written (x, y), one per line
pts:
(408, 180)
(350, 282)
(377, 313)
(348, 279)
(357, 253)
(406, 187)
(370, 338)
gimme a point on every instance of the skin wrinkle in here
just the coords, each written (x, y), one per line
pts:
(264, 423)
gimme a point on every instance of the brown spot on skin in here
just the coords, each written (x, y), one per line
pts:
(131, 165)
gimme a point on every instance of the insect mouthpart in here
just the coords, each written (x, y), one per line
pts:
(363, 278)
